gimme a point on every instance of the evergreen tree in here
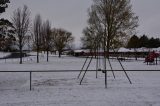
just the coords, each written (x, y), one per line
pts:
(153, 43)
(133, 42)
(143, 41)
(3, 5)
(157, 40)
(6, 35)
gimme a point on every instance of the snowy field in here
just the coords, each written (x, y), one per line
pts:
(63, 89)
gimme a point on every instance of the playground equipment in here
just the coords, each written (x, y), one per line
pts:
(152, 58)
(100, 42)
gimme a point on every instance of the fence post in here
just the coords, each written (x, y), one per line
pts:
(30, 80)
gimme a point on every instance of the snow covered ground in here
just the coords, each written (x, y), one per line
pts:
(63, 89)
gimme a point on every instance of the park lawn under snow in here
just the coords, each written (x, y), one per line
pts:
(63, 89)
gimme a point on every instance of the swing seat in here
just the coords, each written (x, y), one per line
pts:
(121, 59)
(99, 69)
(103, 71)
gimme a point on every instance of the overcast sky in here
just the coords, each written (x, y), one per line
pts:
(72, 14)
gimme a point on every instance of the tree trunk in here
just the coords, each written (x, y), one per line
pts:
(37, 54)
(108, 44)
(37, 57)
(135, 53)
(47, 54)
(20, 48)
(20, 55)
(59, 54)
(37, 44)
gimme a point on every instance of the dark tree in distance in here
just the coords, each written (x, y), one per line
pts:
(153, 43)
(21, 23)
(133, 42)
(61, 38)
(143, 41)
(157, 44)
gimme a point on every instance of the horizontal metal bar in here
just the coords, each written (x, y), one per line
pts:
(37, 71)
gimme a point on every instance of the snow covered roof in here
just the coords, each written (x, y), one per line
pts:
(81, 50)
(122, 49)
(142, 49)
(156, 49)
(78, 50)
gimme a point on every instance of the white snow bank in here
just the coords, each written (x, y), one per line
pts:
(3, 54)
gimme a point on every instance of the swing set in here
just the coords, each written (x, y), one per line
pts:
(97, 44)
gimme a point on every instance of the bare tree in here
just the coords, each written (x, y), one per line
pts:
(90, 39)
(46, 30)
(21, 23)
(92, 33)
(115, 18)
(37, 30)
(61, 38)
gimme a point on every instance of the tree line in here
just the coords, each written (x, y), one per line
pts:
(143, 41)
(42, 36)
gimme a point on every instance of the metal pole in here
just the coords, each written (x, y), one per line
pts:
(156, 61)
(97, 63)
(105, 63)
(105, 72)
(111, 68)
(86, 70)
(123, 69)
(82, 67)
